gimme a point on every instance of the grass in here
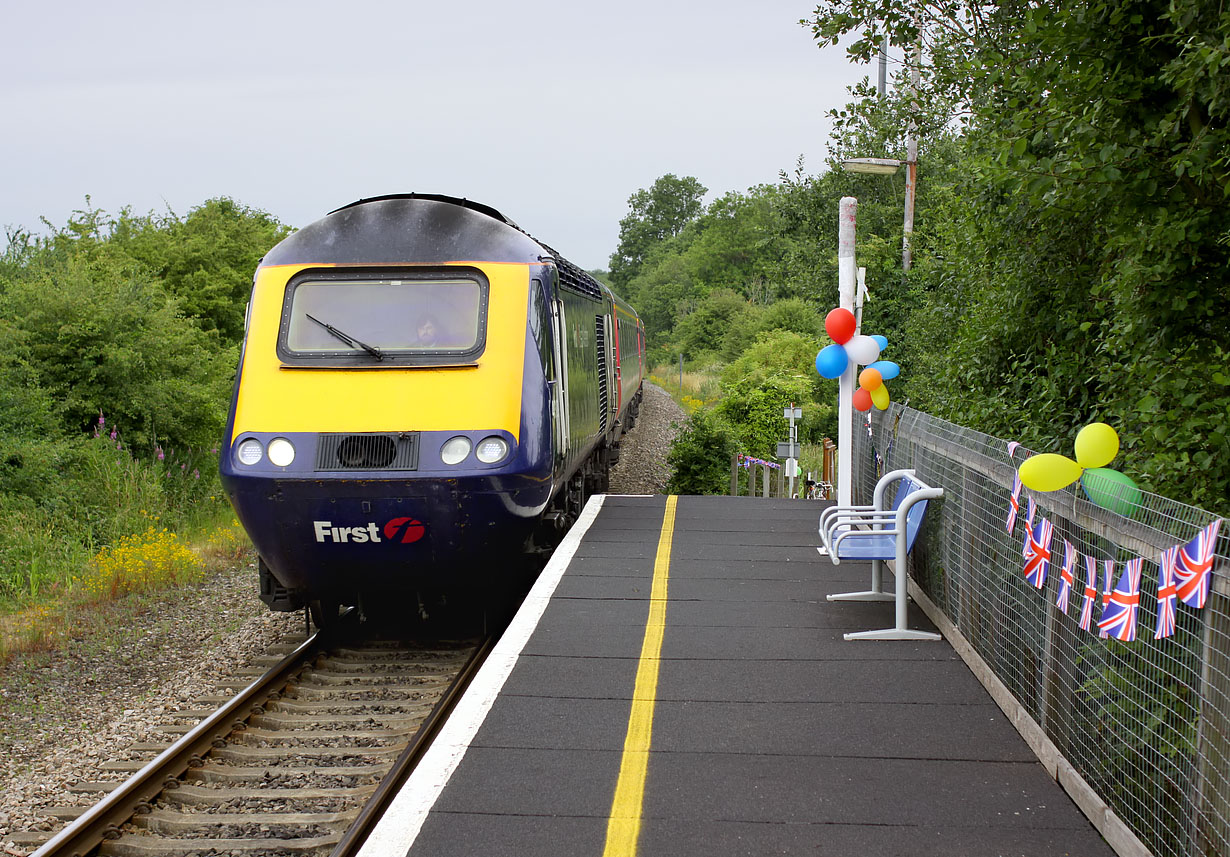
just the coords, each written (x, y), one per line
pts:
(149, 562)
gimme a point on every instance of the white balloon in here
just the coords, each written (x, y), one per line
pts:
(863, 350)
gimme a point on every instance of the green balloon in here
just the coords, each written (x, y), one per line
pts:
(1111, 490)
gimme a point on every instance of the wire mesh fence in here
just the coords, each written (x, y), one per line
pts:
(1145, 723)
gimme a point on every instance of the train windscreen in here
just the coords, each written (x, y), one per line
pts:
(380, 317)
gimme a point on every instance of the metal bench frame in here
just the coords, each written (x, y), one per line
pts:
(885, 534)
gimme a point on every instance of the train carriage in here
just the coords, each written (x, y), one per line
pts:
(425, 397)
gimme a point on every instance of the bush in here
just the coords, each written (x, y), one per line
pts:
(700, 457)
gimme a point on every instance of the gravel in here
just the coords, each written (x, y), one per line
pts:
(68, 712)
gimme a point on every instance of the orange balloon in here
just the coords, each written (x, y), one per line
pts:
(862, 400)
(870, 378)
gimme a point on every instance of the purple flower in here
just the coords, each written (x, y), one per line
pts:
(161, 454)
(114, 433)
(196, 474)
(102, 421)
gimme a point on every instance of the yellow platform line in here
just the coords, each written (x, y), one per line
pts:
(624, 826)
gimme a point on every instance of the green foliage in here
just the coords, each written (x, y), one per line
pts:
(206, 260)
(92, 327)
(101, 334)
(764, 381)
(699, 458)
(656, 215)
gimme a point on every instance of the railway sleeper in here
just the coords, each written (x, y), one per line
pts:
(227, 775)
(356, 680)
(411, 701)
(132, 845)
(375, 692)
(340, 740)
(170, 822)
(195, 795)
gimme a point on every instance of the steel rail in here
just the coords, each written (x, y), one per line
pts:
(354, 837)
(93, 826)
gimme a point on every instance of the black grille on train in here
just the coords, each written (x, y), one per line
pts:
(572, 277)
(375, 451)
(604, 399)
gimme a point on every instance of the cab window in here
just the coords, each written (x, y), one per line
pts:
(366, 318)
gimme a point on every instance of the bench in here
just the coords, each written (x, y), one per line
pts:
(877, 533)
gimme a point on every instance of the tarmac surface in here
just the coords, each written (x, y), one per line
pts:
(770, 733)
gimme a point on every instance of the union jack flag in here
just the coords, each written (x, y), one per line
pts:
(1038, 556)
(1194, 568)
(1119, 617)
(1108, 565)
(1066, 580)
(1167, 593)
(1029, 527)
(1091, 590)
(1014, 502)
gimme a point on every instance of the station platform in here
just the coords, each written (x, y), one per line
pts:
(722, 714)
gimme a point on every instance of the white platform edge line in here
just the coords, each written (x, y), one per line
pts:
(397, 830)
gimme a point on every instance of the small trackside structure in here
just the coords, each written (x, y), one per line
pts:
(877, 533)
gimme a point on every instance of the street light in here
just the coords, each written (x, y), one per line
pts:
(887, 167)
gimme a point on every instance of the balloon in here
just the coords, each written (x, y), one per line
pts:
(1049, 472)
(863, 349)
(1096, 445)
(879, 397)
(881, 340)
(888, 369)
(1111, 490)
(840, 325)
(832, 361)
(870, 379)
(862, 400)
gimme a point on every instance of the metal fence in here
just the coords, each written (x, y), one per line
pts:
(1147, 723)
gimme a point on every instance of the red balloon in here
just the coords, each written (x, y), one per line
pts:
(862, 400)
(840, 325)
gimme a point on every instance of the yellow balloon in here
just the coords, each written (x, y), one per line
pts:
(1049, 472)
(879, 397)
(1096, 445)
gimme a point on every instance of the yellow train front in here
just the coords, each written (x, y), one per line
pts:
(426, 396)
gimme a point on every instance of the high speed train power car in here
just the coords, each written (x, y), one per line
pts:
(425, 397)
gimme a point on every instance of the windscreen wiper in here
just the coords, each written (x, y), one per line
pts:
(348, 339)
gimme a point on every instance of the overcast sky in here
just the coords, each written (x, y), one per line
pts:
(552, 111)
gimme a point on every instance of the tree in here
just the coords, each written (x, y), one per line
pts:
(206, 259)
(656, 215)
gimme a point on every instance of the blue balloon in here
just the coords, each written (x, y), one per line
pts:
(887, 369)
(832, 361)
(882, 340)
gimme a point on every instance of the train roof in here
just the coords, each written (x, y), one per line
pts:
(424, 228)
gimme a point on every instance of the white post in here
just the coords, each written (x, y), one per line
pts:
(911, 159)
(847, 276)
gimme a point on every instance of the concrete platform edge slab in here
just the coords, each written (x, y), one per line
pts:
(400, 825)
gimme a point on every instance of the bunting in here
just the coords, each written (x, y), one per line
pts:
(1167, 593)
(1108, 583)
(1194, 566)
(1066, 580)
(1091, 584)
(1119, 617)
(1038, 553)
(1014, 502)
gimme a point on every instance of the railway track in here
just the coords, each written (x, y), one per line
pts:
(299, 761)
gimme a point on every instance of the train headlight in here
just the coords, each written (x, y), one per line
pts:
(281, 451)
(455, 450)
(250, 451)
(491, 449)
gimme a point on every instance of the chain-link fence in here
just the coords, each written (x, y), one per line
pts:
(1145, 723)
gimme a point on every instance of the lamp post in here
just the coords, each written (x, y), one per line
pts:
(887, 167)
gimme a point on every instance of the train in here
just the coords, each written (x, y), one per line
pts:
(426, 396)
